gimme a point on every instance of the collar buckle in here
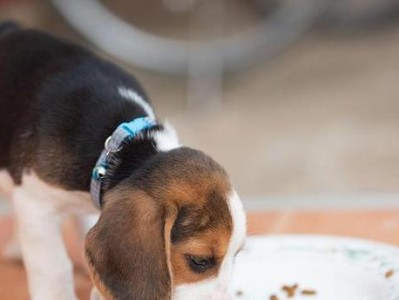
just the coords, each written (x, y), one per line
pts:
(108, 148)
(113, 144)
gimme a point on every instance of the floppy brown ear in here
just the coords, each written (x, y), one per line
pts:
(128, 249)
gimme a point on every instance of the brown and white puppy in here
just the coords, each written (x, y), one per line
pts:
(170, 224)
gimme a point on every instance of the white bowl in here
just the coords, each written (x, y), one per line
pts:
(336, 268)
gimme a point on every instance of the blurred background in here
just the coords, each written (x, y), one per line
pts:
(298, 99)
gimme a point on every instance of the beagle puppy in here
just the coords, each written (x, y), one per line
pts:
(78, 135)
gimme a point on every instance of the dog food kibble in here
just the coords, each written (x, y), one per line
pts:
(239, 293)
(290, 290)
(308, 292)
(389, 274)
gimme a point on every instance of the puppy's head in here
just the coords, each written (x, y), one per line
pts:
(171, 230)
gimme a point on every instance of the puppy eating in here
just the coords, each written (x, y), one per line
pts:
(78, 135)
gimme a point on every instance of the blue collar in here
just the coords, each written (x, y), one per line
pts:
(113, 144)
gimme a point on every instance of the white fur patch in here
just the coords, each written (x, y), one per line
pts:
(217, 288)
(166, 139)
(211, 289)
(65, 202)
(239, 223)
(132, 95)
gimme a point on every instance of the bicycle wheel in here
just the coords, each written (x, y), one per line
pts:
(106, 30)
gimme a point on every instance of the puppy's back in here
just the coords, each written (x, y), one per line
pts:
(27, 57)
(58, 96)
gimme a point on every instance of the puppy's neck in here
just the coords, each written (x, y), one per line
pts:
(138, 151)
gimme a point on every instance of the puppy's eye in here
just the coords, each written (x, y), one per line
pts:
(200, 264)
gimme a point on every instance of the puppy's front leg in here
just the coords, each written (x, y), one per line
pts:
(47, 265)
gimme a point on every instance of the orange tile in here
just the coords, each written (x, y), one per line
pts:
(5, 230)
(12, 275)
(375, 225)
(382, 225)
(12, 281)
(264, 222)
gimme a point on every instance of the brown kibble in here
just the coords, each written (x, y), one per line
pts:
(308, 292)
(290, 290)
(389, 273)
(273, 297)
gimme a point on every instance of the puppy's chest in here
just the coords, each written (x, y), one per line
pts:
(51, 197)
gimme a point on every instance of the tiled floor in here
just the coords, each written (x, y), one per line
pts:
(380, 225)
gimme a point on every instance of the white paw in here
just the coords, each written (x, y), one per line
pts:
(12, 251)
